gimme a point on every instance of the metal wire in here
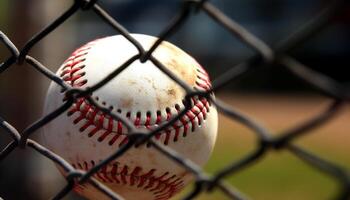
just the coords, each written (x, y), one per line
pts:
(203, 183)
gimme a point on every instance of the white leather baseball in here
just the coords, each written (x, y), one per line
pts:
(84, 135)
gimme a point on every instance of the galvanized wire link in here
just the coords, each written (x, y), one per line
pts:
(265, 56)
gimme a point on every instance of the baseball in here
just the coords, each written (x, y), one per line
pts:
(84, 136)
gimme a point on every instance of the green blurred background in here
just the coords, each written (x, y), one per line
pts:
(281, 175)
(272, 96)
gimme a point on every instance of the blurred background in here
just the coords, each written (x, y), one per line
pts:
(271, 95)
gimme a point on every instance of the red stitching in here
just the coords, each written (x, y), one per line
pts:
(72, 73)
(162, 187)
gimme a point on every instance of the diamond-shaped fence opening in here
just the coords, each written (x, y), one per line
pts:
(265, 56)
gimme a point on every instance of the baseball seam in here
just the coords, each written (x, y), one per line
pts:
(92, 120)
(162, 187)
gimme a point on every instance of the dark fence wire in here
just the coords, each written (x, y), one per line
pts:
(265, 56)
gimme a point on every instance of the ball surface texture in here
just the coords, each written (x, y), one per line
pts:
(84, 136)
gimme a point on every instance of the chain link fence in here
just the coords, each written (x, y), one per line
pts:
(265, 56)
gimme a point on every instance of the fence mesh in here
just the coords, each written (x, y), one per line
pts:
(265, 56)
